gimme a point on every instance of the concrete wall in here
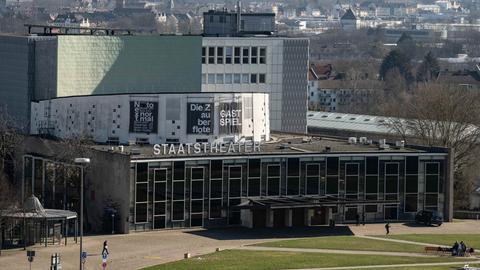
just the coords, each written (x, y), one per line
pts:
(45, 62)
(109, 178)
(128, 64)
(108, 116)
(15, 82)
(295, 85)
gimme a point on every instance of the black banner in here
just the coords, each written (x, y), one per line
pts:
(230, 118)
(143, 117)
(199, 118)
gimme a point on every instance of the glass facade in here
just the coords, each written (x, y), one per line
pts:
(56, 185)
(190, 193)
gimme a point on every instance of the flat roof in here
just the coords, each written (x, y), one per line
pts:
(350, 122)
(282, 144)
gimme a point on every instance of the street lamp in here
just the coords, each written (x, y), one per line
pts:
(82, 162)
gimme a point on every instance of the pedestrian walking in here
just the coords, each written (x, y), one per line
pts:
(387, 228)
(105, 248)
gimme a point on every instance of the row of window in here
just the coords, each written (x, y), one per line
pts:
(235, 78)
(234, 55)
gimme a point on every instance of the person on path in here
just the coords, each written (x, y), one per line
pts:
(105, 248)
(387, 228)
(357, 218)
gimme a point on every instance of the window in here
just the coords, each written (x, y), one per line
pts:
(411, 203)
(262, 79)
(332, 185)
(245, 78)
(253, 78)
(332, 166)
(273, 180)
(211, 55)
(245, 55)
(236, 78)
(371, 184)
(228, 78)
(196, 196)
(411, 184)
(141, 193)
(204, 55)
(263, 55)
(211, 78)
(219, 55)
(179, 170)
(254, 59)
(215, 209)
(370, 208)
(236, 55)
(372, 165)
(219, 79)
(312, 185)
(216, 170)
(204, 78)
(228, 55)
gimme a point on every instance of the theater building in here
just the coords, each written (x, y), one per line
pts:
(292, 180)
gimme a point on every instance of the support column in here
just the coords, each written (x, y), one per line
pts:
(246, 216)
(76, 230)
(288, 217)
(66, 231)
(269, 218)
(328, 215)
(46, 233)
(308, 216)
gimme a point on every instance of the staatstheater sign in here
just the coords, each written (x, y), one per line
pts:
(205, 148)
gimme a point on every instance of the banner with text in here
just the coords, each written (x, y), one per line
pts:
(200, 118)
(230, 118)
(143, 117)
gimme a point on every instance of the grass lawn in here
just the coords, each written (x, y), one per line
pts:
(345, 243)
(273, 260)
(445, 267)
(471, 240)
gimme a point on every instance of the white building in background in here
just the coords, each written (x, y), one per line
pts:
(274, 65)
(155, 118)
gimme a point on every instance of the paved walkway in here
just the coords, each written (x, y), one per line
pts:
(417, 265)
(337, 251)
(398, 241)
(137, 250)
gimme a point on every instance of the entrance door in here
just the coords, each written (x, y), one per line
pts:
(259, 218)
(320, 216)
(391, 212)
(298, 217)
(278, 218)
(351, 213)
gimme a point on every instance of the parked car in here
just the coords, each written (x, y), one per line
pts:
(428, 217)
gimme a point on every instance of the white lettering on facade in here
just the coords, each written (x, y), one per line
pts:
(198, 148)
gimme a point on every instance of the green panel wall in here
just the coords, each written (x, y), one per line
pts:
(128, 64)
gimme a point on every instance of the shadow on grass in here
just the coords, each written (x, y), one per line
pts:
(241, 233)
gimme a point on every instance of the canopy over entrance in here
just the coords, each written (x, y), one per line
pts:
(305, 202)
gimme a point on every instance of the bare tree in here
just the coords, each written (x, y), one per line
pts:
(9, 140)
(445, 116)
